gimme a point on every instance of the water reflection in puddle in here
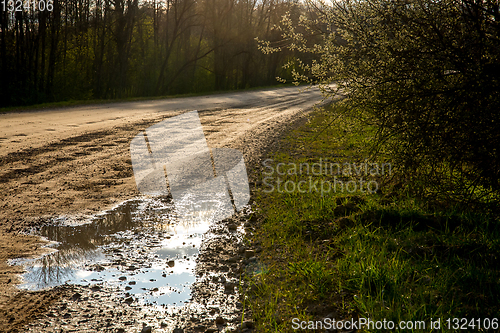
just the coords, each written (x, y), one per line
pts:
(137, 247)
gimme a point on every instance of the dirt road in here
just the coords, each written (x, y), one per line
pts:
(76, 161)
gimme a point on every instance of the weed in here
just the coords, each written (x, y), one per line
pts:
(383, 255)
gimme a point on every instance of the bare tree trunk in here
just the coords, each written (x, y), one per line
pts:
(53, 48)
(4, 94)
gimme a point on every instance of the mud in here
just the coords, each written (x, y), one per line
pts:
(75, 163)
(212, 303)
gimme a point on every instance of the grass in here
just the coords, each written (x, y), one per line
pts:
(358, 254)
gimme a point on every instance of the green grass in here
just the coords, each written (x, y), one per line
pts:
(382, 255)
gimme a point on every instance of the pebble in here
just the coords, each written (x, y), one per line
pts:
(233, 259)
(99, 268)
(229, 287)
(147, 329)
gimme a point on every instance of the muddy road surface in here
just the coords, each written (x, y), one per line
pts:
(64, 167)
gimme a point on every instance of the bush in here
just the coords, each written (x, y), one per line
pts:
(425, 72)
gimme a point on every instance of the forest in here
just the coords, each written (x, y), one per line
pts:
(59, 50)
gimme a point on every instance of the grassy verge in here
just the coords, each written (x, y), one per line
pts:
(351, 253)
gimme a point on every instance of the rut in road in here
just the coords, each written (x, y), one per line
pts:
(77, 161)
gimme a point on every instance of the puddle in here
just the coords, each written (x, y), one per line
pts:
(140, 248)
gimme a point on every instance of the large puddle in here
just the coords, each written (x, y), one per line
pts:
(139, 247)
(145, 250)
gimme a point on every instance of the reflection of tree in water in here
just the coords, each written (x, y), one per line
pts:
(57, 267)
(91, 235)
(78, 244)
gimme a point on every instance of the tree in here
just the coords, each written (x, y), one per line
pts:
(88, 49)
(425, 73)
